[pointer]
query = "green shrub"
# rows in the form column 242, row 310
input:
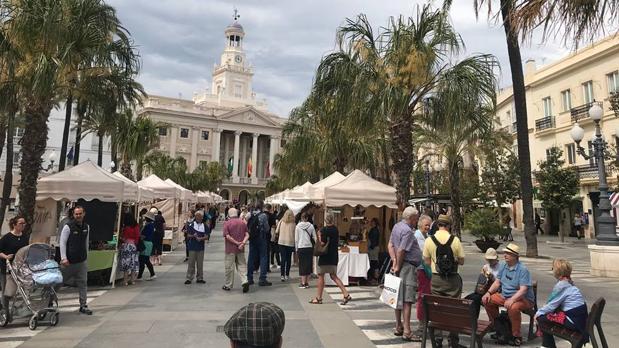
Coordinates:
column 483, row 223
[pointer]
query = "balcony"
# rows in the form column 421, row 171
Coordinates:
column 587, row 171
column 614, row 102
column 544, row 123
column 582, row 111
column 514, row 127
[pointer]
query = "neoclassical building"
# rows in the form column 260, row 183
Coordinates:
column 227, row 124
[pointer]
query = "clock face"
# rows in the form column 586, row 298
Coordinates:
column 238, row 59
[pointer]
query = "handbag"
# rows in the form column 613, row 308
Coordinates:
column 320, row 249
column 391, row 291
column 275, row 236
column 311, row 237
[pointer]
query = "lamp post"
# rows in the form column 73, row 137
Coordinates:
column 606, row 234
column 51, row 158
column 112, row 166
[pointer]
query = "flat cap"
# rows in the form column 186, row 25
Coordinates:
column 257, row 324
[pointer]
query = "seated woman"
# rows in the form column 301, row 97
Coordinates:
column 489, row 272
column 566, row 306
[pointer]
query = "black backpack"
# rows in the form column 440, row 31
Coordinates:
column 445, row 260
column 254, row 226
column 503, row 327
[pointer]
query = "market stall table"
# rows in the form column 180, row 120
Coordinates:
column 350, row 265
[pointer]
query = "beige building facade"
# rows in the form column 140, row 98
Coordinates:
column 227, row 124
column 559, row 95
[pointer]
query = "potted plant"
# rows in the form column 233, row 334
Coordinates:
column 484, row 224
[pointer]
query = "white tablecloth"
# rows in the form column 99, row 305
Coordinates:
column 350, row 265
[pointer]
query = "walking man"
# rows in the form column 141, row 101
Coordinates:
column 197, row 233
column 74, row 253
column 406, row 257
column 424, row 272
column 444, row 253
column 236, row 236
column 258, row 225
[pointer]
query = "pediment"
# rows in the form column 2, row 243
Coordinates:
column 249, row 115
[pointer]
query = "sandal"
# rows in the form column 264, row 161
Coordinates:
column 411, row 338
column 316, row 300
column 346, row 300
column 398, row 332
column 516, row 341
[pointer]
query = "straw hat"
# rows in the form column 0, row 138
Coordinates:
column 491, row 254
column 512, row 248
column 445, row 219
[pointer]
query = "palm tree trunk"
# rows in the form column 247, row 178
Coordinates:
column 401, row 150
column 114, row 152
column 100, row 151
column 81, row 111
column 520, row 103
column 8, row 172
column 62, row 161
column 34, row 142
column 456, row 204
column 385, row 166
column 139, row 168
column 3, row 130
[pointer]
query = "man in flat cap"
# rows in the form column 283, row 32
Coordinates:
column 256, row 325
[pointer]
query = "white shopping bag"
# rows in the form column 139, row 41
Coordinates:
column 391, row 290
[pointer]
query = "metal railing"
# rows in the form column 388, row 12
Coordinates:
column 545, row 123
column 614, row 102
column 588, row 171
column 582, row 111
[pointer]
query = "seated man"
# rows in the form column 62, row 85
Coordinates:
column 514, row 280
column 256, row 325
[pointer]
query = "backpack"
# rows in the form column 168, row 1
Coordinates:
column 445, row 260
column 254, row 226
column 503, row 327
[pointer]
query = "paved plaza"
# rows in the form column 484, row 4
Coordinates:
column 165, row 312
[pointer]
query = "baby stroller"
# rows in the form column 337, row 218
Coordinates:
column 34, row 273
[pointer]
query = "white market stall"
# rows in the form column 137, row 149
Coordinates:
column 144, row 194
column 167, row 197
column 88, row 182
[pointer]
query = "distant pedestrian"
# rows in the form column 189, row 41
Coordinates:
column 274, row 255
column 146, row 234
column 158, row 235
column 189, row 220
column 258, row 225
column 285, row 231
column 578, row 225
column 327, row 263
column 10, row 244
column 424, row 271
column 129, row 238
column 236, row 237
column 256, row 325
column 538, row 224
column 197, row 233
column 305, row 238
column 373, row 249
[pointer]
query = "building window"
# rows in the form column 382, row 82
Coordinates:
column 19, row 132
column 570, row 149
column 163, row 131
column 202, row 164
column 16, row 158
column 205, row 135
column 547, row 106
column 509, row 116
column 185, row 133
column 548, row 150
column 613, row 82
column 587, row 90
column 238, row 91
column 94, row 144
column 592, row 161
column 566, row 100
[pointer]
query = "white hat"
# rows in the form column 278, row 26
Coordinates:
column 491, row 254
column 154, row 210
column 512, row 248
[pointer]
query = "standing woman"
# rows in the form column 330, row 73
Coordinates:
column 285, row 230
column 158, row 237
column 129, row 237
column 305, row 237
column 373, row 249
column 147, row 236
column 10, row 243
column 327, row 263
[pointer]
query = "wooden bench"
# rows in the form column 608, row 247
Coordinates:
column 453, row 315
column 531, row 313
column 574, row 337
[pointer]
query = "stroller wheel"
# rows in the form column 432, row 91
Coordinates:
column 32, row 324
column 53, row 321
column 4, row 320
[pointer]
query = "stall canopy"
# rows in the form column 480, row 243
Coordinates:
column 204, row 197
column 162, row 189
column 360, row 189
column 317, row 191
column 144, row 193
column 84, row 181
column 300, row 193
column 185, row 194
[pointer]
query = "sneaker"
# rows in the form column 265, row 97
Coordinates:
column 245, row 287
column 187, row 282
column 250, row 282
column 265, row 283
column 287, row 278
column 283, row 278
column 279, row 267
column 306, row 286
column 201, row 281
column 85, row 310
column 153, row 277
column 225, row 288
column 186, row 259
column 301, row 286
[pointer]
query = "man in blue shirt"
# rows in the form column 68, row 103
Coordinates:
column 514, row 280
column 197, row 233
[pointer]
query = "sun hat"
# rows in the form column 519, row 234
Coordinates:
column 445, row 219
column 491, row 254
column 512, row 248
column 150, row 215
column 154, row 210
column 257, row 324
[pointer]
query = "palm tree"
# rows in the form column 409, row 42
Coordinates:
column 460, row 115
column 135, row 139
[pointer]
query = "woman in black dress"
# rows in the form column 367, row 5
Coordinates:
column 327, row 263
column 10, row 243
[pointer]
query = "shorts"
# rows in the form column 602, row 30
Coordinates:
column 408, row 284
column 327, row 269
column 450, row 286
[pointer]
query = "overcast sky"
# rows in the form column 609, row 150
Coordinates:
column 180, row 40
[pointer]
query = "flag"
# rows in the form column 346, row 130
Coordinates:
column 70, row 154
column 268, row 169
column 230, row 165
column 249, row 168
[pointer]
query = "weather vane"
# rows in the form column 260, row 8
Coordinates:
column 236, row 14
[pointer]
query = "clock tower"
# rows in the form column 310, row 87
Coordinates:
column 232, row 77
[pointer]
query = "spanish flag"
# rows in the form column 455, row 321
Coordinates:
column 249, row 168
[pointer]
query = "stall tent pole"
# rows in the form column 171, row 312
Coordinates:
column 115, row 263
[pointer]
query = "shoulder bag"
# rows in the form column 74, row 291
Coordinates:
column 320, row 249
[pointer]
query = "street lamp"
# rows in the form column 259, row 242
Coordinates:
column 606, row 234
column 51, row 158
column 112, row 166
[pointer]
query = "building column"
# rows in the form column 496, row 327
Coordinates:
column 173, row 138
column 254, row 159
column 193, row 160
column 235, row 159
column 216, row 145
column 272, row 151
